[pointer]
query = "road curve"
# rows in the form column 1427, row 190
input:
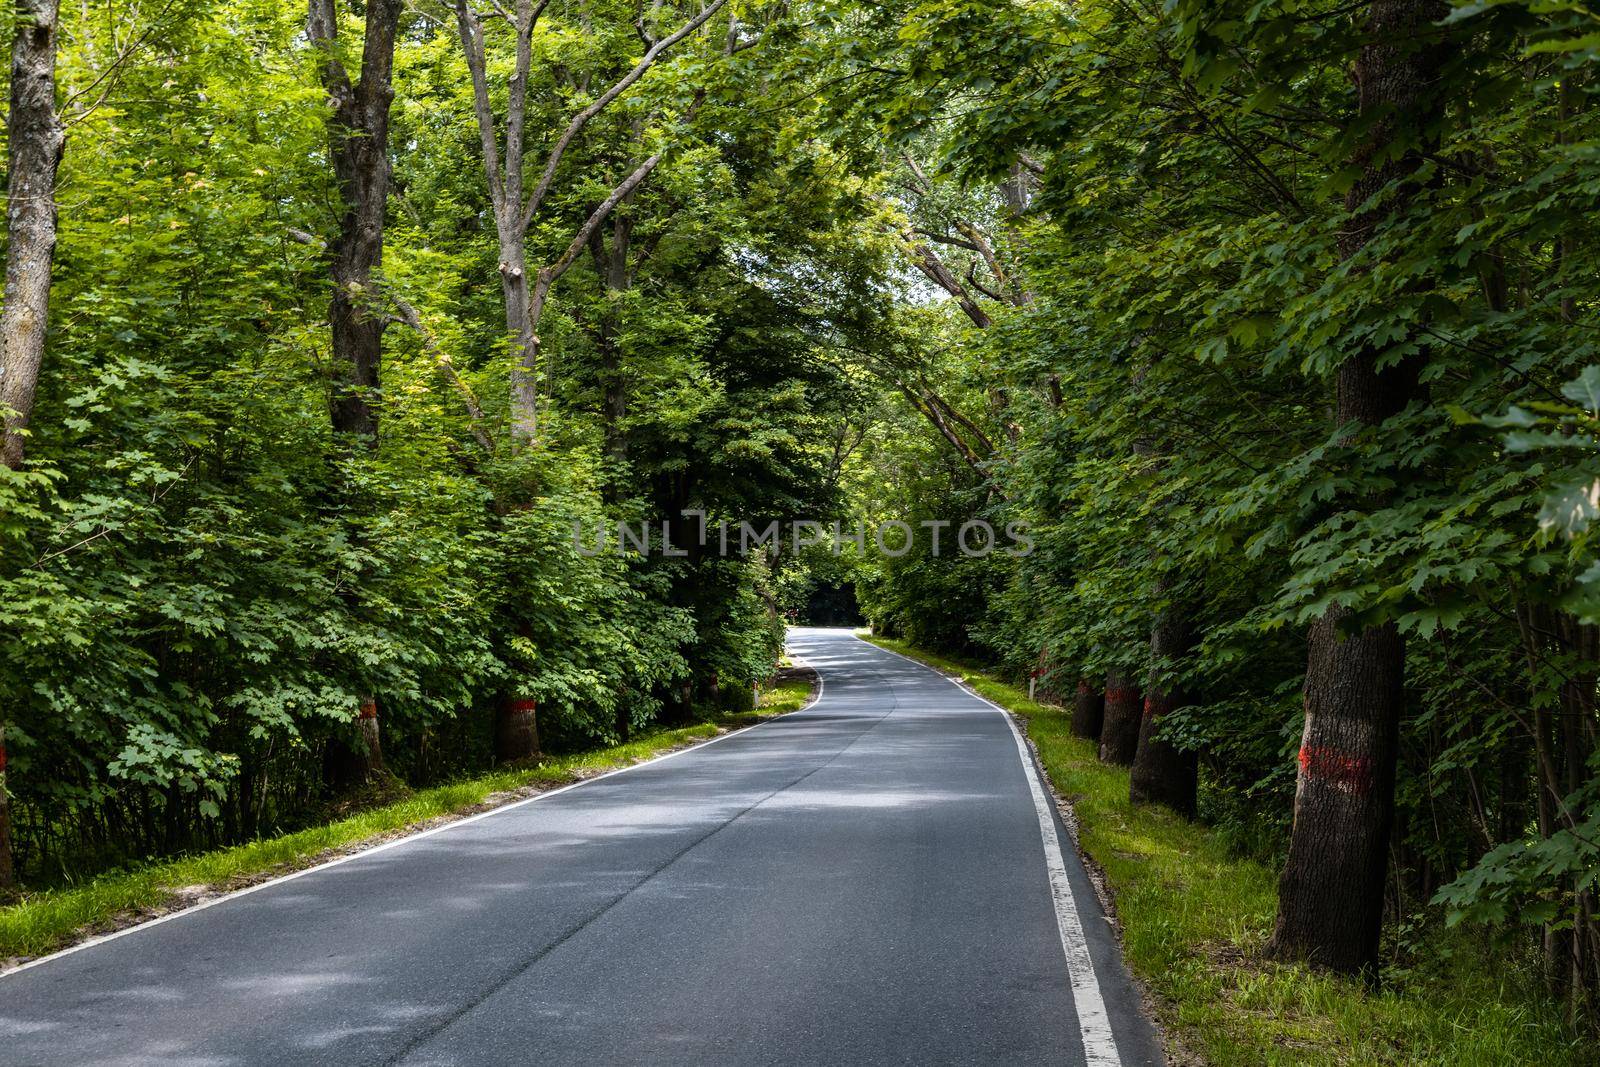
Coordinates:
column 875, row 880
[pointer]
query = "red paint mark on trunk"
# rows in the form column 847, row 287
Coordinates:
column 521, row 705
column 1044, row 664
column 1121, row 696
column 369, row 709
column 1350, row 773
column 2, row 759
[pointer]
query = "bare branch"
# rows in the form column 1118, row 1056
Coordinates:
column 944, row 405
column 641, row 25
column 527, row 18
column 407, row 315
column 322, row 28
column 946, row 239
column 471, row 31
column 972, row 280
column 933, row 414
column 923, row 185
column 981, row 245
column 549, row 275
column 928, row 262
column 581, row 119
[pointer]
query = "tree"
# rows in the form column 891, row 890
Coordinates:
column 515, row 208
column 1088, row 710
column 35, row 140
column 1119, row 732
column 358, row 144
column 1330, row 897
column 1163, row 772
column 358, row 141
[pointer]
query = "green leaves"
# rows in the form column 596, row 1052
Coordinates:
column 1565, row 438
column 1570, row 506
column 198, row 584
column 1204, row 301
column 1584, row 390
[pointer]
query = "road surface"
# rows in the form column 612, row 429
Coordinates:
column 875, row 880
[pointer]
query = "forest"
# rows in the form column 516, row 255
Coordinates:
column 326, row 324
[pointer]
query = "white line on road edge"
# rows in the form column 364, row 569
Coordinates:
column 1099, row 1047
column 406, row 840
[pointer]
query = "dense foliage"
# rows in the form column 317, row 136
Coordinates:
column 1159, row 278
column 201, row 580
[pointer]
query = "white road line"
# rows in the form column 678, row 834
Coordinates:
column 396, row 843
column 1094, row 1023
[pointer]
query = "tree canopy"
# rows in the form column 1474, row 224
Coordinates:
column 1266, row 323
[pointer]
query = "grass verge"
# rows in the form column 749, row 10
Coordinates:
column 55, row 918
column 1194, row 918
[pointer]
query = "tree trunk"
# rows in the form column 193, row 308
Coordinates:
column 516, row 733
column 514, row 213
column 1119, row 733
column 35, row 141
column 248, row 812
column 358, row 145
column 1088, row 710
column 624, row 717
column 1579, row 648
column 1541, row 638
column 679, row 705
column 371, row 737
column 1330, row 897
column 358, row 136
column 524, row 342
column 1162, row 772
column 614, row 400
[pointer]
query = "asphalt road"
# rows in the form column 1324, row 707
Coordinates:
column 876, row 880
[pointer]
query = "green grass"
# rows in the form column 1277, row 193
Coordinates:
column 785, row 697
column 51, row 919
column 1195, row 918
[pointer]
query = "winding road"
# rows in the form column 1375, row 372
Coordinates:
column 879, row 879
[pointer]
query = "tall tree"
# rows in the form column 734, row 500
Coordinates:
column 1330, row 906
column 514, row 206
column 358, row 143
column 35, row 140
column 1088, row 710
column 1119, row 726
column 1164, row 773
